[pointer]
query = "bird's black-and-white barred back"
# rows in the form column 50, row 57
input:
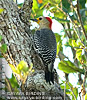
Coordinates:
column 45, row 45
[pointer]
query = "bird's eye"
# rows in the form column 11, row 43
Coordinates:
column 40, row 18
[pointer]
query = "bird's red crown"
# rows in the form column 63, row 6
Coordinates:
column 50, row 20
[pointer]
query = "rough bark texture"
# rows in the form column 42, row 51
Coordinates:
column 14, row 27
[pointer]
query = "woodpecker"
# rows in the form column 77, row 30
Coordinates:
column 45, row 45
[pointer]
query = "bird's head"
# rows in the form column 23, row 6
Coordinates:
column 44, row 22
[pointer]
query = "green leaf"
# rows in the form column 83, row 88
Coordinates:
column 58, row 37
column 39, row 12
column 66, row 4
column 75, row 90
column 58, row 40
column 79, row 54
column 22, row 66
column 58, row 47
column 82, row 3
column 68, row 67
column 1, row 10
column 67, row 86
column 0, row 37
column 79, row 43
column 65, row 10
column 80, row 57
column 83, row 59
column 85, row 26
column 13, row 68
column 3, row 48
column 70, row 42
column 52, row 2
column 42, row 6
column 59, row 15
column 74, row 44
column 86, row 96
column 14, row 83
column 35, row 5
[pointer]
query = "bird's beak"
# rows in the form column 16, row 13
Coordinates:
column 36, row 20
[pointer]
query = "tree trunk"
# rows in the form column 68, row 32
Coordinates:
column 15, row 30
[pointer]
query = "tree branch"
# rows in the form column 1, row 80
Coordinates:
column 74, row 24
column 80, row 19
column 72, row 91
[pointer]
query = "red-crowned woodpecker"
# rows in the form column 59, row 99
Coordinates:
column 45, row 44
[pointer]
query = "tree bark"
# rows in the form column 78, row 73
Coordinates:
column 15, row 30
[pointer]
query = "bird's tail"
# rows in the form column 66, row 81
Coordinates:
column 49, row 74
